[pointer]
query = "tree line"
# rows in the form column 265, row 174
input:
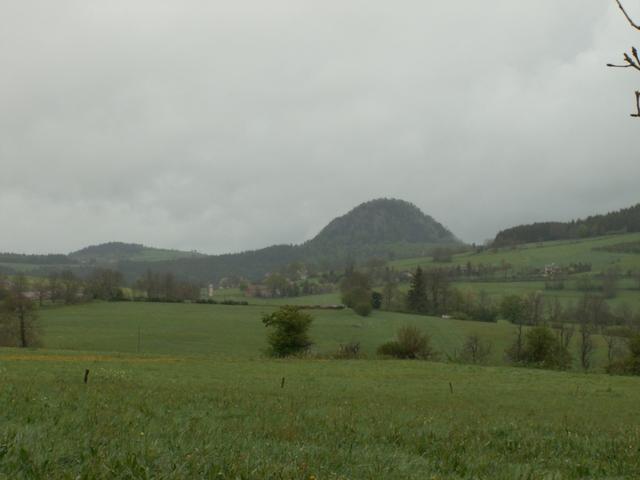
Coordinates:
column 625, row 220
column 21, row 297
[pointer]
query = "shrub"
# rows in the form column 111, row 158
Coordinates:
column 391, row 349
column 290, row 331
column 363, row 308
column 631, row 364
column 485, row 313
column 234, row 302
column 355, row 289
column 376, row 300
column 410, row 343
column 542, row 348
column 512, row 308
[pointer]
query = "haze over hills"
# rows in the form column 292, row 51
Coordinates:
column 386, row 228
column 105, row 255
column 390, row 229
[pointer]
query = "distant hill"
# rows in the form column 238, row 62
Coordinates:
column 626, row 220
column 382, row 221
column 114, row 252
column 385, row 228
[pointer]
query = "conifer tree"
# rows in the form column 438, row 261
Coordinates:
column 417, row 300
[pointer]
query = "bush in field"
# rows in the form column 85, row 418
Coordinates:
column 541, row 348
column 485, row 312
column 290, row 331
column 410, row 343
column 512, row 308
column 356, row 292
column 631, row 364
column 363, row 308
column 376, row 300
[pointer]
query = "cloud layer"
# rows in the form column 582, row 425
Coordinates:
column 224, row 126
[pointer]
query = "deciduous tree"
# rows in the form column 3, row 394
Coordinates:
column 289, row 335
column 18, row 319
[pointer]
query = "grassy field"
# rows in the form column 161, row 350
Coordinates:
column 497, row 290
column 237, row 331
column 195, row 329
column 236, row 294
column 181, row 391
column 177, row 417
column 538, row 255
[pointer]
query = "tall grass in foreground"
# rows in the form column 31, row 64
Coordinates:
column 172, row 418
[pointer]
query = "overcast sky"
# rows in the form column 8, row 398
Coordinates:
column 224, row 126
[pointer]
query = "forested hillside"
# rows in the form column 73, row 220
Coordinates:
column 626, row 220
column 113, row 252
column 382, row 221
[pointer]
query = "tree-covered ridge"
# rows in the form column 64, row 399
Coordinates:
column 49, row 259
column 382, row 221
column 626, row 220
column 118, row 251
column 212, row 268
column 109, row 248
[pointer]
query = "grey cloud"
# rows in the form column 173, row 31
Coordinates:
column 224, row 126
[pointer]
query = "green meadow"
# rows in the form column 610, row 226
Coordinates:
column 180, row 391
column 627, row 294
column 181, row 416
column 196, row 329
column 563, row 252
column 237, row 331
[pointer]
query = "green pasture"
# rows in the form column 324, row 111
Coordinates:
column 178, row 417
column 237, row 295
column 568, row 296
column 237, row 331
column 561, row 252
column 195, row 329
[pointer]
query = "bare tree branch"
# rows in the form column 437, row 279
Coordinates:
column 631, row 61
column 633, row 24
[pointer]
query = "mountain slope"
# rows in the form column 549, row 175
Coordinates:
column 381, row 221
